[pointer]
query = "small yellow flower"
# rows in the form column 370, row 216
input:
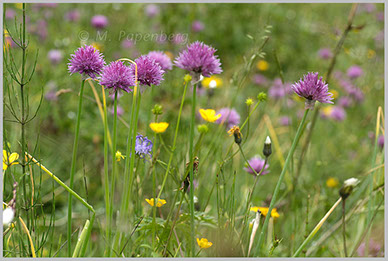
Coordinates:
column 9, row 159
column 169, row 54
column 332, row 182
column 160, row 203
column 204, row 243
column 262, row 65
column 335, row 93
column 19, row 5
column 119, row 156
column 235, row 130
column 264, row 211
column 98, row 46
column 159, row 127
column 327, row 110
column 209, row 115
column 249, row 102
column 371, row 54
column 212, row 82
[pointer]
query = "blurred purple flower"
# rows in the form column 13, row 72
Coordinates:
column 278, row 90
column 312, row 89
column 285, row 121
column 338, row 113
column 380, row 141
column 354, row 72
column 179, row 39
column 120, row 110
column 368, row 7
column 260, row 79
column 86, row 61
column 162, row 59
column 143, row 146
column 257, row 164
column 72, row 15
column 379, row 38
column 374, row 249
column 197, row 26
column 117, row 76
column 148, row 71
column 10, row 14
column 126, row 44
column 345, row 102
column 51, row 95
column 230, row 117
column 55, row 56
column 380, row 16
column 325, row 53
column 199, row 58
column 99, row 21
column 152, row 10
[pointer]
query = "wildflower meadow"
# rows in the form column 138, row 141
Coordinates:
column 193, row 130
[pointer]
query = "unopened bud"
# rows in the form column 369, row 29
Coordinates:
column 235, row 131
column 249, row 102
column 267, row 150
column 203, row 128
column 347, row 187
column 262, row 96
column 187, row 78
column 157, row 110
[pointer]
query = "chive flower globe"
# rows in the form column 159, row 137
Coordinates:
column 143, row 146
column 229, row 117
column 87, row 61
column 312, row 89
column 99, row 21
column 162, row 59
column 354, row 72
column 199, row 59
column 257, row 164
column 149, row 72
column 117, row 76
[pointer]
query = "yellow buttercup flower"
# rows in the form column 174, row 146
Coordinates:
column 212, row 82
column 9, row 159
column 262, row 65
column 98, row 46
column 327, row 110
column 209, row 115
column 335, row 93
column 119, row 156
column 332, row 182
column 160, row 203
column 204, row 243
column 264, row 211
column 159, row 127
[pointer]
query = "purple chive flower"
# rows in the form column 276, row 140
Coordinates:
column 10, row 14
column 117, row 76
column 278, row 90
column 380, row 141
column 162, row 59
column 197, row 26
column 126, row 44
column 55, row 56
column 99, row 21
column 72, row 15
column 354, row 72
column 152, row 10
column 260, row 79
column 380, row 16
column 143, row 146
column 257, row 164
column 149, row 72
column 345, row 102
column 374, row 249
column 199, row 58
column 325, row 53
column 230, row 117
column 338, row 113
column 179, row 39
column 120, row 110
column 312, row 89
column 86, row 61
column 285, row 121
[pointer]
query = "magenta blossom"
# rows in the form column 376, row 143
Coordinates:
column 162, row 59
column 99, row 21
column 230, row 117
column 325, row 53
column 312, row 89
column 117, row 76
column 86, row 61
column 197, row 26
column 354, row 72
column 149, row 72
column 257, row 164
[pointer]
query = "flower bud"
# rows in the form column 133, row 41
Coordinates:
column 262, row 96
column 187, row 78
column 157, row 110
column 347, row 187
column 267, row 150
column 235, row 131
column 203, row 128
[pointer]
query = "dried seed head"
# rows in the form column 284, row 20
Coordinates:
column 267, row 150
column 347, row 187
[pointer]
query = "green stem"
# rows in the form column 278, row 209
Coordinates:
column 281, row 177
column 174, row 142
column 343, row 227
column 154, row 194
column 191, row 153
column 72, row 171
column 106, row 178
column 81, row 239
